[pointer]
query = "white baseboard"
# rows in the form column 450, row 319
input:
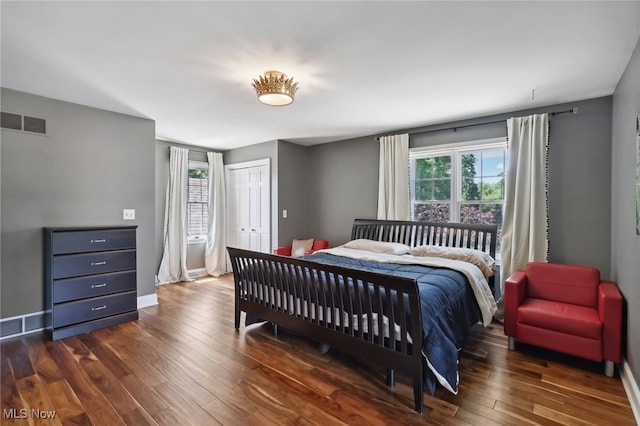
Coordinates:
column 197, row 273
column 631, row 388
column 147, row 300
column 193, row 274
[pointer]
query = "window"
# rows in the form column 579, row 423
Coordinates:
column 197, row 201
column 459, row 183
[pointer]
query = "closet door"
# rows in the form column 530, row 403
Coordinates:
column 249, row 217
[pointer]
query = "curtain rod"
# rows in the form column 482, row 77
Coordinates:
column 573, row 110
column 194, row 150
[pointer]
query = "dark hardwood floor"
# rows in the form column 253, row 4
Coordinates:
column 183, row 363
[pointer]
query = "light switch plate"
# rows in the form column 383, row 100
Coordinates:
column 129, row 214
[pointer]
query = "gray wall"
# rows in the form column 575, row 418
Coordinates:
column 345, row 175
column 344, row 184
column 293, row 193
column 625, row 244
column 92, row 164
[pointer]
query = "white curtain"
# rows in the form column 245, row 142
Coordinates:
column 393, row 178
column 525, row 222
column 215, row 257
column 173, row 266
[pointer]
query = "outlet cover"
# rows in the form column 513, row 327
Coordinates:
column 129, row 214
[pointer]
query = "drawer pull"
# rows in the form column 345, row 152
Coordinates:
column 98, row 241
column 98, row 285
column 99, row 308
column 104, row 262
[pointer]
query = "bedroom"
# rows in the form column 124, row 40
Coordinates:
column 90, row 143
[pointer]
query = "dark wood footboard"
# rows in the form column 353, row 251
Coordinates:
column 362, row 313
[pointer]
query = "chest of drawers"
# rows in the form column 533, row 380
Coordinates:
column 90, row 278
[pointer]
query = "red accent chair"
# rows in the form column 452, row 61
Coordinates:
column 317, row 245
column 565, row 308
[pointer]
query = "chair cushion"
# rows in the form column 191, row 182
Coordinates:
column 577, row 285
column 562, row 317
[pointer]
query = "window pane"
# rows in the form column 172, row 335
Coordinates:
column 435, row 212
column 198, row 190
column 442, row 189
column 197, row 215
column 442, row 166
column 468, row 164
column 424, row 168
column 493, row 162
column 470, row 189
column 493, row 188
column 433, row 167
column 197, row 201
column 424, row 190
column 490, row 214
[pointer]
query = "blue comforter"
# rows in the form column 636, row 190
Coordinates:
column 449, row 309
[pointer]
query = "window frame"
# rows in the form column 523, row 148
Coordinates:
column 455, row 151
column 200, row 238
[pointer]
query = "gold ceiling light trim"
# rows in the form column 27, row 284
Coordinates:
column 275, row 88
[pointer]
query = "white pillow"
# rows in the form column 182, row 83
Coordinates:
column 378, row 246
column 298, row 247
column 482, row 260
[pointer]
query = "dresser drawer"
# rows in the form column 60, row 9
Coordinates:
column 93, row 240
column 94, row 308
column 73, row 265
column 93, row 285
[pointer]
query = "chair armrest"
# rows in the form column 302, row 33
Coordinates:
column 282, row 251
column 515, row 290
column 610, row 312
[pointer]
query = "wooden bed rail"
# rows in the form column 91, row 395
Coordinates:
column 359, row 312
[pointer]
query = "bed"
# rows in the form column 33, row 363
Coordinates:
column 397, row 293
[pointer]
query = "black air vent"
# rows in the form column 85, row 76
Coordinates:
column 23, row 123
column 35, row 125
column 11, row 121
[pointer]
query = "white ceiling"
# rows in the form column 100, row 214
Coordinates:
column 363, row 67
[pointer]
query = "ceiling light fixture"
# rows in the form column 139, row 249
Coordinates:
column 274, row 88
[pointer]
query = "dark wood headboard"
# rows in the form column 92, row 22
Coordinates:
column 467, row 235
